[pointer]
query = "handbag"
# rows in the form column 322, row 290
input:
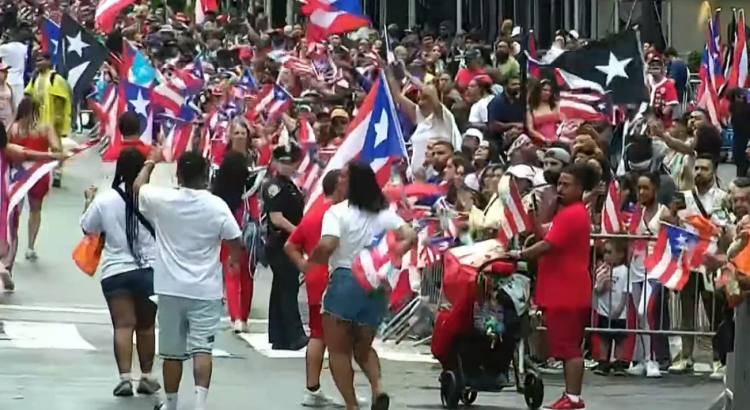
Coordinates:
column 88, row 253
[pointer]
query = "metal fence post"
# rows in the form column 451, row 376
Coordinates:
column 741, row 364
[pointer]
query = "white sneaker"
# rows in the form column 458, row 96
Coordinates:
column 237, row 327
column 719, row 371
column 652, row 369
column 315, row 399
column 339, row 402
column 637, row 370
column 31, row 255
column 246, row 326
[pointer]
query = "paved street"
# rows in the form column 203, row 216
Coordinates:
column 58, row 354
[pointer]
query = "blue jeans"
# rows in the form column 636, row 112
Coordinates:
column 347, row 300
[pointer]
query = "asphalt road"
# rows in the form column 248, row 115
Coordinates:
column 58, row 353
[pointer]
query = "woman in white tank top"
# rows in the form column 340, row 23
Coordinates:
column 7, row 107
column 648, row 296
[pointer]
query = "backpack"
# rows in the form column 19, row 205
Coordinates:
column 254, row 231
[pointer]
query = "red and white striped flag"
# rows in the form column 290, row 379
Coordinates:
column 516, row 219
column 377, row 267
column 21, row 177
column 583, row 106
column 611, row 219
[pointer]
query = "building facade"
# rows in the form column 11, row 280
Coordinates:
column 679, row 19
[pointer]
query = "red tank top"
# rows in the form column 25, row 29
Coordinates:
column 34, row 141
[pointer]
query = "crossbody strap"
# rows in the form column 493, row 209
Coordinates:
column 142, row 219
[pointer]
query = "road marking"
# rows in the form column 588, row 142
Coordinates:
column 55, row 309
column 386, row 351
column 92, row 310
column 31, row 335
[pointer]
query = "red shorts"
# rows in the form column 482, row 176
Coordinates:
column 566, row 329
column 316, row 322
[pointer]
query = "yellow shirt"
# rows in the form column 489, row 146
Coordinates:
column 54, row 101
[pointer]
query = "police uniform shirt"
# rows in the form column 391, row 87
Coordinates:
column 282, row 195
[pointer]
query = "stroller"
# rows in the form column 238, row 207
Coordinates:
column 482, row 330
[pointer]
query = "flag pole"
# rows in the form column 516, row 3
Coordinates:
column 523, row 24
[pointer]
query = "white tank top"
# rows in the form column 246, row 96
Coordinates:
column 650, row 227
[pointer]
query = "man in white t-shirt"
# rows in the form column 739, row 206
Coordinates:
column 190, row 224
column 13, row 54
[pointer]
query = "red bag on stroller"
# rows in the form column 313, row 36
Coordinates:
column 460, row 290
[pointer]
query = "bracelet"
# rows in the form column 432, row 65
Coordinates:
column 149, row 162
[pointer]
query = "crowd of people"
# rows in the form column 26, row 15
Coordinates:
column 473, row 128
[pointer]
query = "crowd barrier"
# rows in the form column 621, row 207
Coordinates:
column 692, row 313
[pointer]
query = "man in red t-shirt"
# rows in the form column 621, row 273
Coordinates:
column 663, row 92
column 129, row 126
column 474, row 67
column 302, row 241
column 563, row 289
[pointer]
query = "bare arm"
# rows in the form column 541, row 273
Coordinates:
column 235, row 252
column 278, row 220
column 54, row 142
column 324, row 249
column 535, row 251
column 295, row 253
column 410, row 109
column 530, row 125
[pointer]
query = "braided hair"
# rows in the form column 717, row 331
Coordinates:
column 129, row 164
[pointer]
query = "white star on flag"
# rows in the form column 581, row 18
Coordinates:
column 381, row 128
column 614, row 68
column 76, row 44
column 140, row 104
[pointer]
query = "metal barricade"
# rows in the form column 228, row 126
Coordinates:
column 662, row 320
column 420, row 311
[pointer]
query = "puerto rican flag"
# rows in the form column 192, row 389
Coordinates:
column 374, row 137
column 516, row 220
column 17, row 179
column 611, row 218
column 670, row 260
column 326, row 17
column 50, row 32
column 137, row 78
column 107, row 11
column 202, row 7
column 378, row 267
column 271, row 102
column 585, row 106
column 710, row 72
column 738, row 67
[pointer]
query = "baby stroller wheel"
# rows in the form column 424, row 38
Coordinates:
column 468, row 397
column 533, row 391
column 450, row 390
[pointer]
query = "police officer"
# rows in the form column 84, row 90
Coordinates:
column 283, row 205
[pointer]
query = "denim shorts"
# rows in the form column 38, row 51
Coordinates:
column 346, row 299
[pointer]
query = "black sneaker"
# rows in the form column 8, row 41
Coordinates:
column 619, row 368
column 382, row 402
column 123, row 389
column 602, row 369
column 148, row 387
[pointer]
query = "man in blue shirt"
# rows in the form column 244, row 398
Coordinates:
column 677, row 70
column 506, row 111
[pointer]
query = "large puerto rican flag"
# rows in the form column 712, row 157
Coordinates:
column 326, row 17
column 670, row 261
column 374, row 136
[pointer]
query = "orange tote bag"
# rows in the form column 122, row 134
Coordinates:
column 88, row 253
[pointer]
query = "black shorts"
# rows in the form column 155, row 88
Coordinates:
column 605, row 323
column 137, row 284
